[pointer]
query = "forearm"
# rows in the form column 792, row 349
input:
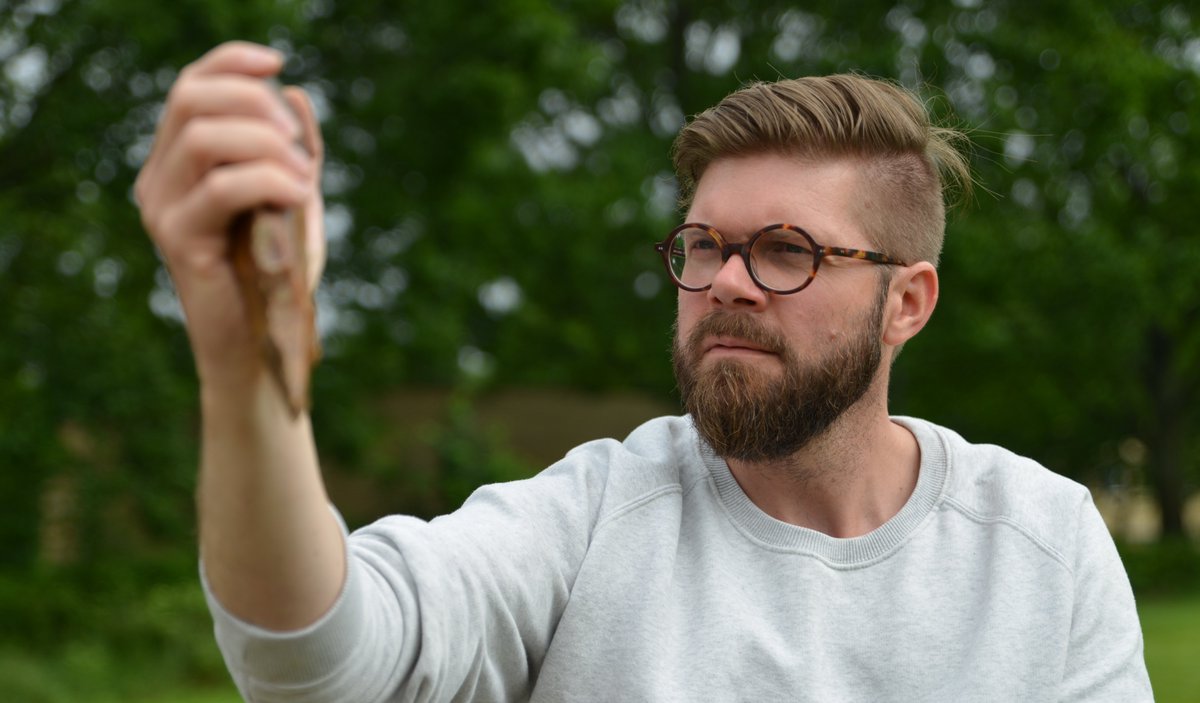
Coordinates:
column 273, row 552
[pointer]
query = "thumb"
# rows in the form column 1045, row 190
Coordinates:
column 314, row 210
column 298, row 100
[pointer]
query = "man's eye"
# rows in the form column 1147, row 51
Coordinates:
column 784, row 248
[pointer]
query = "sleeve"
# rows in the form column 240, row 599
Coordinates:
column 1105, row 660
column 459, row 608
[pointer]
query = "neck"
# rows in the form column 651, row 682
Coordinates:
column 845, row 483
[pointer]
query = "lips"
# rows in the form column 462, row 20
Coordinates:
column 727, row 333
column 733, row 344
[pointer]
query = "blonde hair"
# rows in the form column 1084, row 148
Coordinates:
column 910, row 166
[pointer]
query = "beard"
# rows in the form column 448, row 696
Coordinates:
column 748, row 414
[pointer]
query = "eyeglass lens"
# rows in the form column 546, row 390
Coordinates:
column 780, row 259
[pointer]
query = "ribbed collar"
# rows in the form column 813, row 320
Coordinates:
column 837, row 552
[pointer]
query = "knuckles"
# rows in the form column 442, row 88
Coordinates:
column 148, row 206
column 198, row 142
column 218, row 186
column 188, row 171
column 181, row 97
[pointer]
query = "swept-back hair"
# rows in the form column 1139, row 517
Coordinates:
column 909, row 165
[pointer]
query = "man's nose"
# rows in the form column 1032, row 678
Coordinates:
column 732, row 285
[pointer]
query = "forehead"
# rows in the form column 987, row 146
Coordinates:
column 739, row 195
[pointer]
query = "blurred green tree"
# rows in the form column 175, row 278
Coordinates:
column 497, row 173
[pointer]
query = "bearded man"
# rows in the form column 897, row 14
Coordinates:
column 787, row 539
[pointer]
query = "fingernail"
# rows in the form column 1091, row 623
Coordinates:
column 263, row 57
column 269, row 243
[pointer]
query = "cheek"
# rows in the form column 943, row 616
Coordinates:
column 688, row 312
column 815, row 324
column 839, row 308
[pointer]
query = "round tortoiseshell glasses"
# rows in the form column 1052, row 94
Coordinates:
column 781, row 258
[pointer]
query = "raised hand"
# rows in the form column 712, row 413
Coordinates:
column 227, row 145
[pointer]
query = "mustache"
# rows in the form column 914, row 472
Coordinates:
column 722, row 323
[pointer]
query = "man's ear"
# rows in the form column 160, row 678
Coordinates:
column 912, row 297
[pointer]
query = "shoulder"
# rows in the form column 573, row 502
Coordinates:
column 660, row 456
column 663, row 445
column 991, row 485
column 603, row 476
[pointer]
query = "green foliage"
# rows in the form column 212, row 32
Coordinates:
column 98, row 393
column 1170, row 626
column 470, row 455
column 497, row 173
column 44, row 605
column 1166, row 568
column 112, row 648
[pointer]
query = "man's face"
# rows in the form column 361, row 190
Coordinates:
column 763, row 374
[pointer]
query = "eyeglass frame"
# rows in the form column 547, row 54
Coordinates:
column 728, row 249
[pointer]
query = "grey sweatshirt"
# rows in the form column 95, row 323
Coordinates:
column 640, row 571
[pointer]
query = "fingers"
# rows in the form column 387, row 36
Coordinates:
column 228, row 143
column 207, row 164
column 226, row 79
column 303, row 109
column 221, row 111
column 238, row 57
column 206, row 143
column 193, row 230
column 238, row 188
column 313, row 211
column 224, row 95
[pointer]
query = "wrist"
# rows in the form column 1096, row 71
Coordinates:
column 250, row 398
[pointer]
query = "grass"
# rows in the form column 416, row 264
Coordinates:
column 1172, row 630
column 222, row 695
column 226, row 695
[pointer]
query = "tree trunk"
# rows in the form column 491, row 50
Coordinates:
column 677, row 21
column 1166, row 435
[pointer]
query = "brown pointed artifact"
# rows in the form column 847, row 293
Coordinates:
column 269, row 250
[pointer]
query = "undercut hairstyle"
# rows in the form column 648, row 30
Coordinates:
column 910, row 167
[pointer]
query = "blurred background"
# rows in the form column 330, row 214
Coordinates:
column 497, row 174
